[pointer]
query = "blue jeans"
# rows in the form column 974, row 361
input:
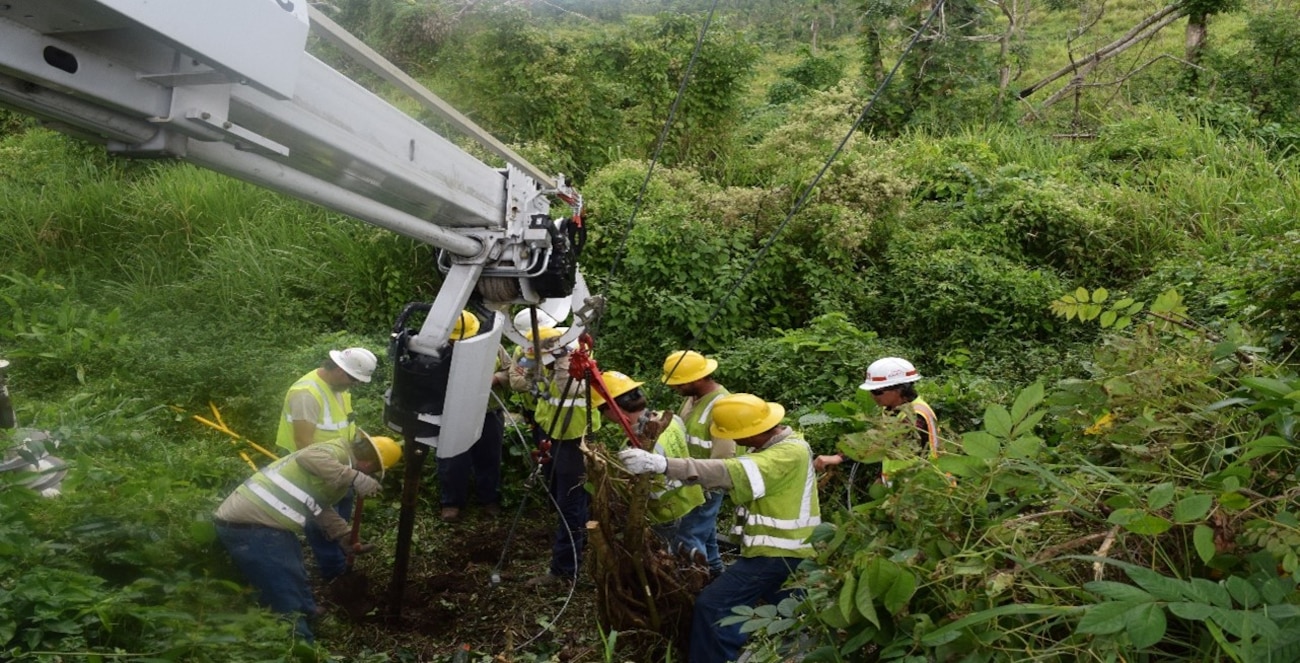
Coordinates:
column 331, row 559
column 483, row 460
column 746, row 582
column 566, row 476
column 271, row 561
column 699, row 529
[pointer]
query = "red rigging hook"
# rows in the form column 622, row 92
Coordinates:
column 583, row 367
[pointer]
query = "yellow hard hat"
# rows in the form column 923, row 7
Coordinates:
column 387, row 450
column 617, row 384
column 466, row 326
column 687, row 366
column 547, row 336
column 738, row 416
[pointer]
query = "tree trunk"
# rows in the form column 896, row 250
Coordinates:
column 1196, row 34
column 1149, row 26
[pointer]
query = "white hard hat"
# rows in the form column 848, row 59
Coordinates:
column 524, row 321
column 358, row 362
column 888, row 372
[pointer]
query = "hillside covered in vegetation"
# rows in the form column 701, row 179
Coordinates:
column 1080, row 219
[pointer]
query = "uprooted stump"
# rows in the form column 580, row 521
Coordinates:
column 643, row 590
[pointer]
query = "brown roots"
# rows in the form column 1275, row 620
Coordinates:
column 643, row 590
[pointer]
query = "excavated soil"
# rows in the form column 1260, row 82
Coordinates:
column 450, row 602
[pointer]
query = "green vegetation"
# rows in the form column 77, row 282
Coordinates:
column 1101, row 291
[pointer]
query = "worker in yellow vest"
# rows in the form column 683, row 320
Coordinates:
column 891, row 381
column 318, row 408
column 670, row 499
column 775, row 485
column 259, row 522
column 561, row 418
column 691, row 375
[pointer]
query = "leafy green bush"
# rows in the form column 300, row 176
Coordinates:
column 801, row 368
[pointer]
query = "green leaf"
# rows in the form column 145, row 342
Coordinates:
column 1148, row 525
column 1193, row 508
column 1108, row 318
column 1027, row 424
column 1081, row 294
column 1105, row 618
column 1028, row 398
column 1194, row 611
column 1163, row 587
column 880, row 575
column 848, row 592
column 950, row 631
column 1203, row 539
column 1145, row 625
column 1124, row 516
column 1233, row 501
column 864, row 601
column 1118, row 591
column 997, row 421
column 1205, row 591
column 1269, row 386
column 979, row 444
column 1099, row 295
column 900, row 593
column 1264, row 446
column 1160, row 496
column 961, row 466
column 1025, row 447
column 1244, row 592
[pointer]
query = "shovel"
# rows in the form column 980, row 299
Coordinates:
column 355, row 537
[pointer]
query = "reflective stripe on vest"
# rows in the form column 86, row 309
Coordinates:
column 671, row 499
column 782, row 508
column 568, row 416
column 335, row 412
column 290, row 493
column 698, row 437
column 908, row 414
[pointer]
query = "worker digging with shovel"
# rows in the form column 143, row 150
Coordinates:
column 259, row 523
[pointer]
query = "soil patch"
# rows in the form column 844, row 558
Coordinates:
column 451, row 601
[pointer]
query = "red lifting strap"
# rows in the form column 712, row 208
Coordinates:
column 583, row 367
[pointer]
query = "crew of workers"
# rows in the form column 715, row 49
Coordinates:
column 693, row 455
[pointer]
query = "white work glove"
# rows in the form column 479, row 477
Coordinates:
column 365, row 485
column 639, row 461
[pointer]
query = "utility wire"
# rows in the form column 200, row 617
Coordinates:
column 807, row 193
column 659, row 144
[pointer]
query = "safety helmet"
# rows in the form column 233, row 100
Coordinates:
column 524, row 321
column 738, row 416
column 888, row 372
column 686, row 366
column 387, row 450
column 617, row 384
column 465, row 327
column 548, row 336
column 358, row 362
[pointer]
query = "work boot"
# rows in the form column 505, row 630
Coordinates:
column 548, row 580
column 450, row 514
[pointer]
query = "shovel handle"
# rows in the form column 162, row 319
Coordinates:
column 355, row 537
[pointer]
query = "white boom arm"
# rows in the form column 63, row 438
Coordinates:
column 228, row 85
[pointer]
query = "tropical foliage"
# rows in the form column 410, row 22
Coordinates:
column 1097, row 276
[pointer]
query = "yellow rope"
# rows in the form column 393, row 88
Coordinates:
column 220, row 426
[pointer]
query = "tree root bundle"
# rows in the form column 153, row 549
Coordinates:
column 643, row 590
